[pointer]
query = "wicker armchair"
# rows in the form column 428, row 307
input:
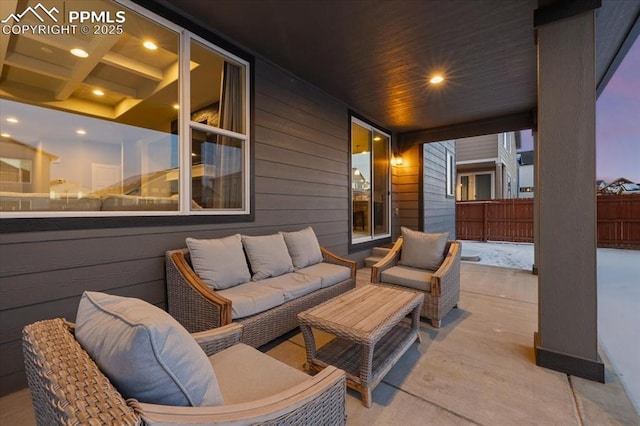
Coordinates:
column 441, row 288
column 68, row 388
column 197, row 307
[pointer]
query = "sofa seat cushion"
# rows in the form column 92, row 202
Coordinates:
column 245, row 374
column 329, row 273
column 252, row 298
column 406, row 276
column 145, row 352
column 293, row 284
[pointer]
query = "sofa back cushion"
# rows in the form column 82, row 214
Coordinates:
column 303, row 247
column 221, row 262
column 145, row 353
column 268, row 256
column 422, row 250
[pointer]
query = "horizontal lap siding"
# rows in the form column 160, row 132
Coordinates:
column 439, row 210
column 301, row 178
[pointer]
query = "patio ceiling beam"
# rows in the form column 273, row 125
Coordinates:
column 518, row 121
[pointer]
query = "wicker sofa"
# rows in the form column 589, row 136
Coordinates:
column 68, row 387
column 440, row 283
column 198, row 306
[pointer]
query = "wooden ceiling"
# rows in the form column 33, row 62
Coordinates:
column 377, row 56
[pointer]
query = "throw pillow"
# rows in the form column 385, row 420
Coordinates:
column 303, row 247
column 145, row 353
column 422, row 250
column 220, row 262
column 268, row 256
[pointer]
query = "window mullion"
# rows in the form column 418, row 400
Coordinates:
column 184, row 135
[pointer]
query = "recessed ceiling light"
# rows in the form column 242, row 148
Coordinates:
column 12, row 119
column 81, row 132
column 377, row 138
column 176, row 106
column 5, row 135
column 98, row 92
column 436, row 79
column 79, row 53
column 150, row 45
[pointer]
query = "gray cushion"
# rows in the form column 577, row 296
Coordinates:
column 268, row 256
column 422, row 250
column 220, row 263
column 406, row 276
column 303, row 247
column 329, row 273
column 293, row 285
column 252, row 298
column 246, row 374
column 146, row 353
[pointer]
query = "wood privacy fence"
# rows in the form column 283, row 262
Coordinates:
column 512, row 220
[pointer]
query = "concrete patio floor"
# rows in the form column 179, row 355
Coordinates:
column 478, row 368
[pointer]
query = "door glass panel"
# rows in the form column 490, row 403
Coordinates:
column 361, row 180
column 483, row 187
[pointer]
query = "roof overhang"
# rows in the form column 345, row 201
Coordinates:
column 378, row 56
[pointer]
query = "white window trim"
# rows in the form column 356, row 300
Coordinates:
column 450, row 171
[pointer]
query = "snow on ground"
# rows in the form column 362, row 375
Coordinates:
column 508, row 255
column 618, row 301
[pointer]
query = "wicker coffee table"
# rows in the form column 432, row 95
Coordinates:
column 371, row 335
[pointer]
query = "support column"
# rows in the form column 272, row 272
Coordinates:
column 567, row 338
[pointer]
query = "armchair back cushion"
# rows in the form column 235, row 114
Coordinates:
column 421, row 250
column 145, row 353
column 268, row 256
column 220, row 263
column 303, row 247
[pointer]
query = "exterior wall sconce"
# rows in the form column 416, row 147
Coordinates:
column 397, row 160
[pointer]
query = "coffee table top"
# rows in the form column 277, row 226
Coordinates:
column 364, row 314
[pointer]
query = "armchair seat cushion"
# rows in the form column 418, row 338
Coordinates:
column 246, row 374
column 251, row 298
column 329, row 273
column 419, row 279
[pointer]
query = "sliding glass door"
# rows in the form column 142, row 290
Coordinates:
column 370, row 183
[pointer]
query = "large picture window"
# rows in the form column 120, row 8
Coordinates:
column 370, row 187
column 147, row 119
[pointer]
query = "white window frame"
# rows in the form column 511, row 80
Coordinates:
column 450, row 168
column 184, row 126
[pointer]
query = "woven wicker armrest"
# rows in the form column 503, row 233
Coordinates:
column 317, row 401
column 331, row 257
column 217, row 339
column 67, row 387
column 449, row 271
column 194, row 304
column 391, row 259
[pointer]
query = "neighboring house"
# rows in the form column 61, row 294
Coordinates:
column 600, row 184
column 486, row 167
column 24, row 168
column 620, row 186
column 525, row 174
